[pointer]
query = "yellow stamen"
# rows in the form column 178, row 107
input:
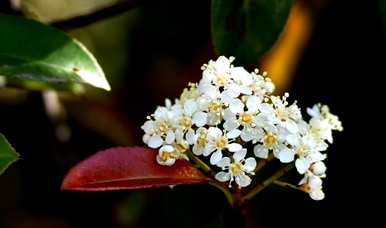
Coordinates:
column 221, row 80
column 246, row 118
column 236, row 168
column 220, row 142
column 270, row 139
column 186, row 122
column 215, row 106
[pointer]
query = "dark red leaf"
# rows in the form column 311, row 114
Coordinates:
column 129, row 168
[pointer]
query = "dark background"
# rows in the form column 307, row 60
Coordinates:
column 342, row 66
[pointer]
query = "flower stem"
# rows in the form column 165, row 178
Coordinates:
column 288, row 185
column 258, row 188
column 224, row 189
column 200, row 164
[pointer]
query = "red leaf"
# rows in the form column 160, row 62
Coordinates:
column 129, row 168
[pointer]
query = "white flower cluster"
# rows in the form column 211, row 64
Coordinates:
column 231, row 110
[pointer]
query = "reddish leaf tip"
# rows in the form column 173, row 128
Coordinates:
column 128, row 168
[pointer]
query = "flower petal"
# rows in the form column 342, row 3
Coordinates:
column 208, row 150
column 253, row 103
column 214, row 132
column 155, row 141
column 230, row 124
column 233, row 134
column 199, row 118
column 261, row 151
column 190, row 106
column 224, row 162
column 170, row 137
column 222, row 176
column 314, row 182
column 168, row 162
column 286, row 155
column 197, row 150
column 233, row 147
column 243, row 180
column 236, row 106
column 190, row 137
column 216, row 157
column 319, row 168
column 302, row 165
column 249, row 165
column 317, row 194
column 240, row 155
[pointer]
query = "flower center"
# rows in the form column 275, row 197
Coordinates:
column 220, row 142
column 246, row 118
column 163, row 127
column 270, row 139
column 302, row 150
column 182, row 146
column 201, row 140
column 221, row 79
column 236, row 168
column 186, row 122
column 215, row 106
column 282, row 114
column 168, row 155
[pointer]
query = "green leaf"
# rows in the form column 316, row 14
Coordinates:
column 7, row 154
column 246, row 29
column 37, row 56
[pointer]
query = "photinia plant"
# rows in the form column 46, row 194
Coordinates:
column 223, row 131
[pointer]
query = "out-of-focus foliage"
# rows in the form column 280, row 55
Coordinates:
column 111, row 50
column 282, row 59
column 36, row 56
column 248, row 28
column 7, row 154
column 55, row 10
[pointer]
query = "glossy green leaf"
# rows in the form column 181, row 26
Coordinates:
column 246, row 29
column 36, row 56
column 7, row 154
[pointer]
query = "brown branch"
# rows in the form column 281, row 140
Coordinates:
column 258, row 188
column 100, row 14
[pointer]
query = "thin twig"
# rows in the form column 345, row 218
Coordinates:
column 200, row 164
column 258, row 188
column 103, row 13
column 225, row 190
column 203, row 166
column 288, row 185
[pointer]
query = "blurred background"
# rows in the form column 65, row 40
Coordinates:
column 330, row 51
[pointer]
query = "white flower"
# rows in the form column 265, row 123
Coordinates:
column 200, row 141
column 284, row 115
column 323, row 122
column 307, row 149
column 313, row 185
column 231, row 108
column 217, row 142
column 245, row 118
column 274, row 140
column 237, row 169
column 167, row 155
column 318, row 168
column 159, row 125
column 217, row 72
column 317, row 194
